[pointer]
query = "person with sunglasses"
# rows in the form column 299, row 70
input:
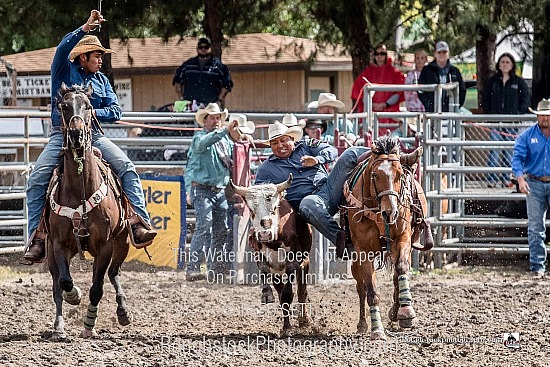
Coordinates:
column 441, row 71
column 203, row 79
column 380, row 71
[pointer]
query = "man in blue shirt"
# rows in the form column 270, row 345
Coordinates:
column 531, row 167
column 77, row 61
column 316, row 194
column 203, row 79
column 209, row 162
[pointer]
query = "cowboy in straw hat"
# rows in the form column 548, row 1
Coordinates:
column 326, row 100
column 314, row 193
column 210, row 109
column 88, row 53
column 277, row 130
column 543, row 107
column 88, row 44
column 290, row 120
column 533, row 178
column 207, row 173
column 243, row 124
column 327, row 103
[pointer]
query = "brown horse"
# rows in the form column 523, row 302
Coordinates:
column 84, row 214
column 385, row 220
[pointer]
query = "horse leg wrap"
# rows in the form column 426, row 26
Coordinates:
column 405, row 296
column 73, row 296
column 91, row 317
column 375, row 319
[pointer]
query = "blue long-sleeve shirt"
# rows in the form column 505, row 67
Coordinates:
column 204, row 163
column 531, row 153
column 305, row 179
column 63, row 70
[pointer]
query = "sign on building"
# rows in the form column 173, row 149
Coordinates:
column 27, row 87
column 123, row 89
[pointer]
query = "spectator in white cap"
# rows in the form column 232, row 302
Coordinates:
column 290, row 120
column 327, row 103
column 440, row 71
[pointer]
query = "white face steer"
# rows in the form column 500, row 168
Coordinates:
column 263, row 202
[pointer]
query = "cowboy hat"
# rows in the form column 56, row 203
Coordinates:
column 277, row 129
column 88, row 44
column 543, row 108
column 326, row 99
column 243, row 125
column 290, row 120
column 210, row 109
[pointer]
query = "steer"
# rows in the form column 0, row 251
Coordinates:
column 283, row 240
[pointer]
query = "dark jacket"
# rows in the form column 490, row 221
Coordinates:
column 430, row 75
column 511, row 98
column 203, row 84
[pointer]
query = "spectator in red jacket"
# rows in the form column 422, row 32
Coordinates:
column 380, row 71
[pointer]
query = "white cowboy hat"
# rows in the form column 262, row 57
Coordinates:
column 243, row 125
column 277, row 129
column 543, row 108
column 87, row 44
column 326, row 99
column 211, row 109
column 290, row 120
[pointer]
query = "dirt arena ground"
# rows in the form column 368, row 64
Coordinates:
column 462, row 315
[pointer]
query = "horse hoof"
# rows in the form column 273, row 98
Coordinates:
column 73, row 297
column 88, row 333
column 405, row 313
column 124, row 317
column 58, row 336
column 378, row 335
column 406, row 323
column 267, row 298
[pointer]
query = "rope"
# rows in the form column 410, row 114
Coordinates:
column 475, row 124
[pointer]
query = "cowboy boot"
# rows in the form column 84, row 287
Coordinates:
column 141, row 233
column 36, row 248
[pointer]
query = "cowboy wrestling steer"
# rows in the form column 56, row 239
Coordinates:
column 283, row 239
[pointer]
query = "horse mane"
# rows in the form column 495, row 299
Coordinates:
column 386, row 144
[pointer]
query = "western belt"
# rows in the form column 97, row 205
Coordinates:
column 545, row 179
column 206, row 187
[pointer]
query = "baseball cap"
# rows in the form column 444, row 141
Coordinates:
column 204, row 41
column 441, row 46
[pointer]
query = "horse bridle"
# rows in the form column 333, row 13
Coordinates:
column 85, row 137
column 379, row 195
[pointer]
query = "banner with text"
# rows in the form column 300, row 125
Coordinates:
column 165, row 201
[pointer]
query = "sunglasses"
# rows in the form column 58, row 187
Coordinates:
column 203, row 47
column 380, row 53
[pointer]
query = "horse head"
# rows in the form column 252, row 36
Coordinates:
column 76, row 115
column 385, row 173
column 263, row 202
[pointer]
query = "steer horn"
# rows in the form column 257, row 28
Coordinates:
column 284, row 185
column 411, row 158
column 241, row 190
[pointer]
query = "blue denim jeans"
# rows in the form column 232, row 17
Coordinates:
column 50, row 158
column 493, row 161
column 538, row 202
column 210, row 229
column 319, row 208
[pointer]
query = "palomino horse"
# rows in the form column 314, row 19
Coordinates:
column 385, row 220
column 84, row 214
